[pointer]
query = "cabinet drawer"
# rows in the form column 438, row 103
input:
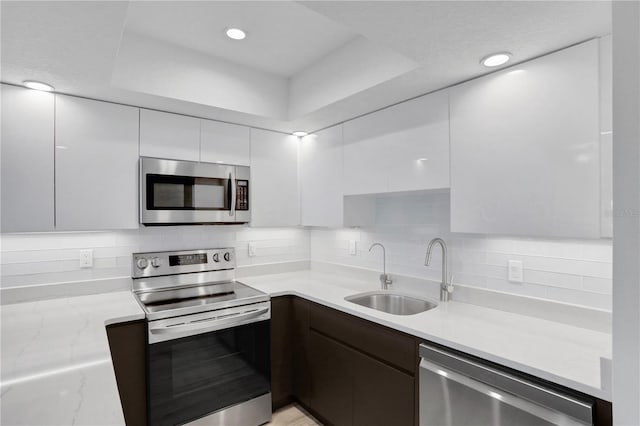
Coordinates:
column 375, row 340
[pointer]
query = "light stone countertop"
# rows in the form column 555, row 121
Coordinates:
column 56, row 364
column 560, row 353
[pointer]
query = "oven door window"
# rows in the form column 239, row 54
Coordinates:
column 187, row 193
column 195, row 376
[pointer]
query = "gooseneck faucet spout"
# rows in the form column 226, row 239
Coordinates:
column 445, row 287
column 385, row 280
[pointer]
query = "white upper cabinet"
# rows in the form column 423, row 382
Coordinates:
column 225, row 143
column 274, row 192
column 165, row 135
column 27, row 160
column 321, row 178
column 96, row 165
column 401, row 148
column 525, row 151
column 606, row 137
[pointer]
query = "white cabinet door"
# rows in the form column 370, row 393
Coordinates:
column 166, row 135
column 225, row 143
column 96, row 165
column 525, row 148
column 27, row 160
column 606, row 137
column 321, row 178
column 401, row 148
column 274, row 192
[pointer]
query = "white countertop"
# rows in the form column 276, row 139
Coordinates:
column 56, row 364
column 556, row 352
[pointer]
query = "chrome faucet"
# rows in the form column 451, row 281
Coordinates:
column 445, row 288
column 385, row 279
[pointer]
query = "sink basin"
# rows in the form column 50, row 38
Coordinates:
column 391, row 303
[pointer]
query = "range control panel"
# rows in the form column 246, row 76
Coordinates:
column 179, row 262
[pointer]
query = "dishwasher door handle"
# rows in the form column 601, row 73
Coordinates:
column 552, row 416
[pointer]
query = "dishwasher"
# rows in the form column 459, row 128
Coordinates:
column 459, row 391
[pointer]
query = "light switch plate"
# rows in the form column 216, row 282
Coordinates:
column 86, row 258
column 353, row 247
column 516, row 272
column 252, row 249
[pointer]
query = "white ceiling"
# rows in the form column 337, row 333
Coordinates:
column 327, row 45
column 455, row 35
column 283, row 37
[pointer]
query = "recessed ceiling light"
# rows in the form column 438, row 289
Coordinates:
column 36, row 85
column 236, row 34
column 300, row 133
column 496, row 59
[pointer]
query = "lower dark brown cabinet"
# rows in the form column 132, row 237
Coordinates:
column 382, row 395
column 348, row 371
column 300, row 347
column 281, row 351
column 345, row 370
column 128, row 346
column 341, row 368
column 331, row 374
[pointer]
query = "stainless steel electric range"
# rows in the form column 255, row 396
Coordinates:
column 208, row 352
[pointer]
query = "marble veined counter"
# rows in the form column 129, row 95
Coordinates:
column 56, row 365
column 560, row 353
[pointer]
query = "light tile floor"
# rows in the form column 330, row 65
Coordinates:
column 293, row 415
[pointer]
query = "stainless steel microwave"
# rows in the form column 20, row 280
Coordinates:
column 186, row 192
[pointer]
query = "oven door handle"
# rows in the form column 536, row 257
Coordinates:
column 210, row 324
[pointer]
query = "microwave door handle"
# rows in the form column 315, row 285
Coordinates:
column 232, row 191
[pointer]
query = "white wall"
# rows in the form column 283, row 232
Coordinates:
column 571, row 271
column 626, row 217
column 47, row 258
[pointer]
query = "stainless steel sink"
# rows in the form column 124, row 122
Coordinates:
column 392, row 303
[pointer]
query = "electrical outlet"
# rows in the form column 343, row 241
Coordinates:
column 353, row 247
column 252, row 249
column 516, row 273
column 86, row 258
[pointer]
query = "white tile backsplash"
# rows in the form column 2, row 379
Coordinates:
column 570, row 271
column 48, row 258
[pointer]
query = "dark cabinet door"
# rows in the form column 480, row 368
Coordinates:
column 382, row 395
column 345, row 370
column 330, row 368
column 128, row 345
column 300, row 345
column 281, row 351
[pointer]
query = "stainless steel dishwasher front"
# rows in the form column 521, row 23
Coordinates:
column 456, row 391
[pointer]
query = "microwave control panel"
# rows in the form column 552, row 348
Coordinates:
column 242, row 194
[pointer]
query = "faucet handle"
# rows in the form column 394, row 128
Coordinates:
column 449, row 286
column 385, row 281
